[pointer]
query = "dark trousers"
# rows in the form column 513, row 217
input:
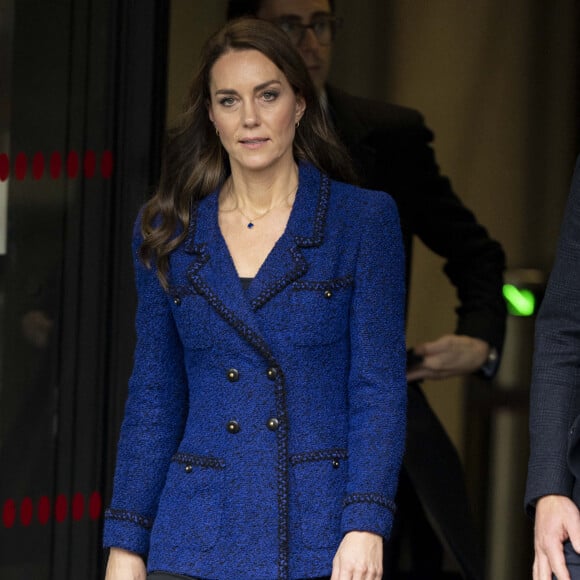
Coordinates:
column 413, row 543
column 432, row 505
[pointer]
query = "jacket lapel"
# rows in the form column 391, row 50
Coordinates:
column 286, row 262
column 212, row 273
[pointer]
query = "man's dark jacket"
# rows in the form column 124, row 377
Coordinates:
column 554, row 463
column 390, row 146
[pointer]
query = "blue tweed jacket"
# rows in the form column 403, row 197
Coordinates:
column 262, row 425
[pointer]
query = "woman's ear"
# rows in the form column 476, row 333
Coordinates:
column 300, row 107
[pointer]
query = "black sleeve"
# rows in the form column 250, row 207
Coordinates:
column 406, row 168
column 555, row 389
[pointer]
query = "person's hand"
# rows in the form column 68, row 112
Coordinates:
column 124, row 565
column 359, row 557
column 451, row 355
column 557, row 520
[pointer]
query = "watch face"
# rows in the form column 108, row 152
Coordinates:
column 489, row 367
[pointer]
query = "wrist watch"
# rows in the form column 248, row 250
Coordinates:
column 489, row 367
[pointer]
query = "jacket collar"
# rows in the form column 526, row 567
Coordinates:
column 212, row 272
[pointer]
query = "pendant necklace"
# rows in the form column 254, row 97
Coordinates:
column 251, row 221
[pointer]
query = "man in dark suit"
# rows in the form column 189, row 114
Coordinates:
column 391, row 147
column 553, row 486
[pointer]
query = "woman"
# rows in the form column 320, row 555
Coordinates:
column 264, row 426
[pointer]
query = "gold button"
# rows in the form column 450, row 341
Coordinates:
column 273, row 424
column 328, row 293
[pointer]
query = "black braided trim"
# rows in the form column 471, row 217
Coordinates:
column 321, row 214
column 282, row 476
column 127, row 516
column 230, row 317
column 333, row 284
column 300, row 268
column 199, row 460
column 377, row 498
column 322, row 455
column 178, row 292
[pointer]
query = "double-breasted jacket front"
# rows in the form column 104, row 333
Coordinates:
column 261, row 425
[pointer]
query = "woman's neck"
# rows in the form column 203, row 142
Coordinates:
column 259, row 192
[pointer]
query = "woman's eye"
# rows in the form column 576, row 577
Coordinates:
column 269, row 95
column 227, row 101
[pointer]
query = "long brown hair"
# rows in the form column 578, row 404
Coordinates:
column 195, row 163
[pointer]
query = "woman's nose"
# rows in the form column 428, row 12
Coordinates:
column 250, row 115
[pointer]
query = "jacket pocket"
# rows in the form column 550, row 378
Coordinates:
column 320, row 310
column 192, row 315
column 320, row 479
column 191, row 506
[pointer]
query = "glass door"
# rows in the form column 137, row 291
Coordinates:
column 81, row 83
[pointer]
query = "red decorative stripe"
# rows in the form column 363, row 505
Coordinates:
column 26, row 511
column 43, row 510
column 71, row 160
column 72, row 164
column 107, row 164
column 61, row 508
column 78, row 507
column 4, row 167
column 55, row 165
column 95, row 505
column 9, row 513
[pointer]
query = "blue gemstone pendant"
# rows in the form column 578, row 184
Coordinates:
column 250, row 225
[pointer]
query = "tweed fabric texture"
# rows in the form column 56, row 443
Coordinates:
column 262, row 425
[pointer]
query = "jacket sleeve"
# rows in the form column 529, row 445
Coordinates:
column 429, row 208
column 555, row 389
column 154, row 417
column 377, row 386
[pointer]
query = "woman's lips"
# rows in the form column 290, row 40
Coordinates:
column 253, row 143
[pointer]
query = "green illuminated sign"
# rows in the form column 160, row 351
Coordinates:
column 520, row 301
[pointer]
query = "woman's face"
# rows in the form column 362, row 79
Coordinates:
column 254, row 109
